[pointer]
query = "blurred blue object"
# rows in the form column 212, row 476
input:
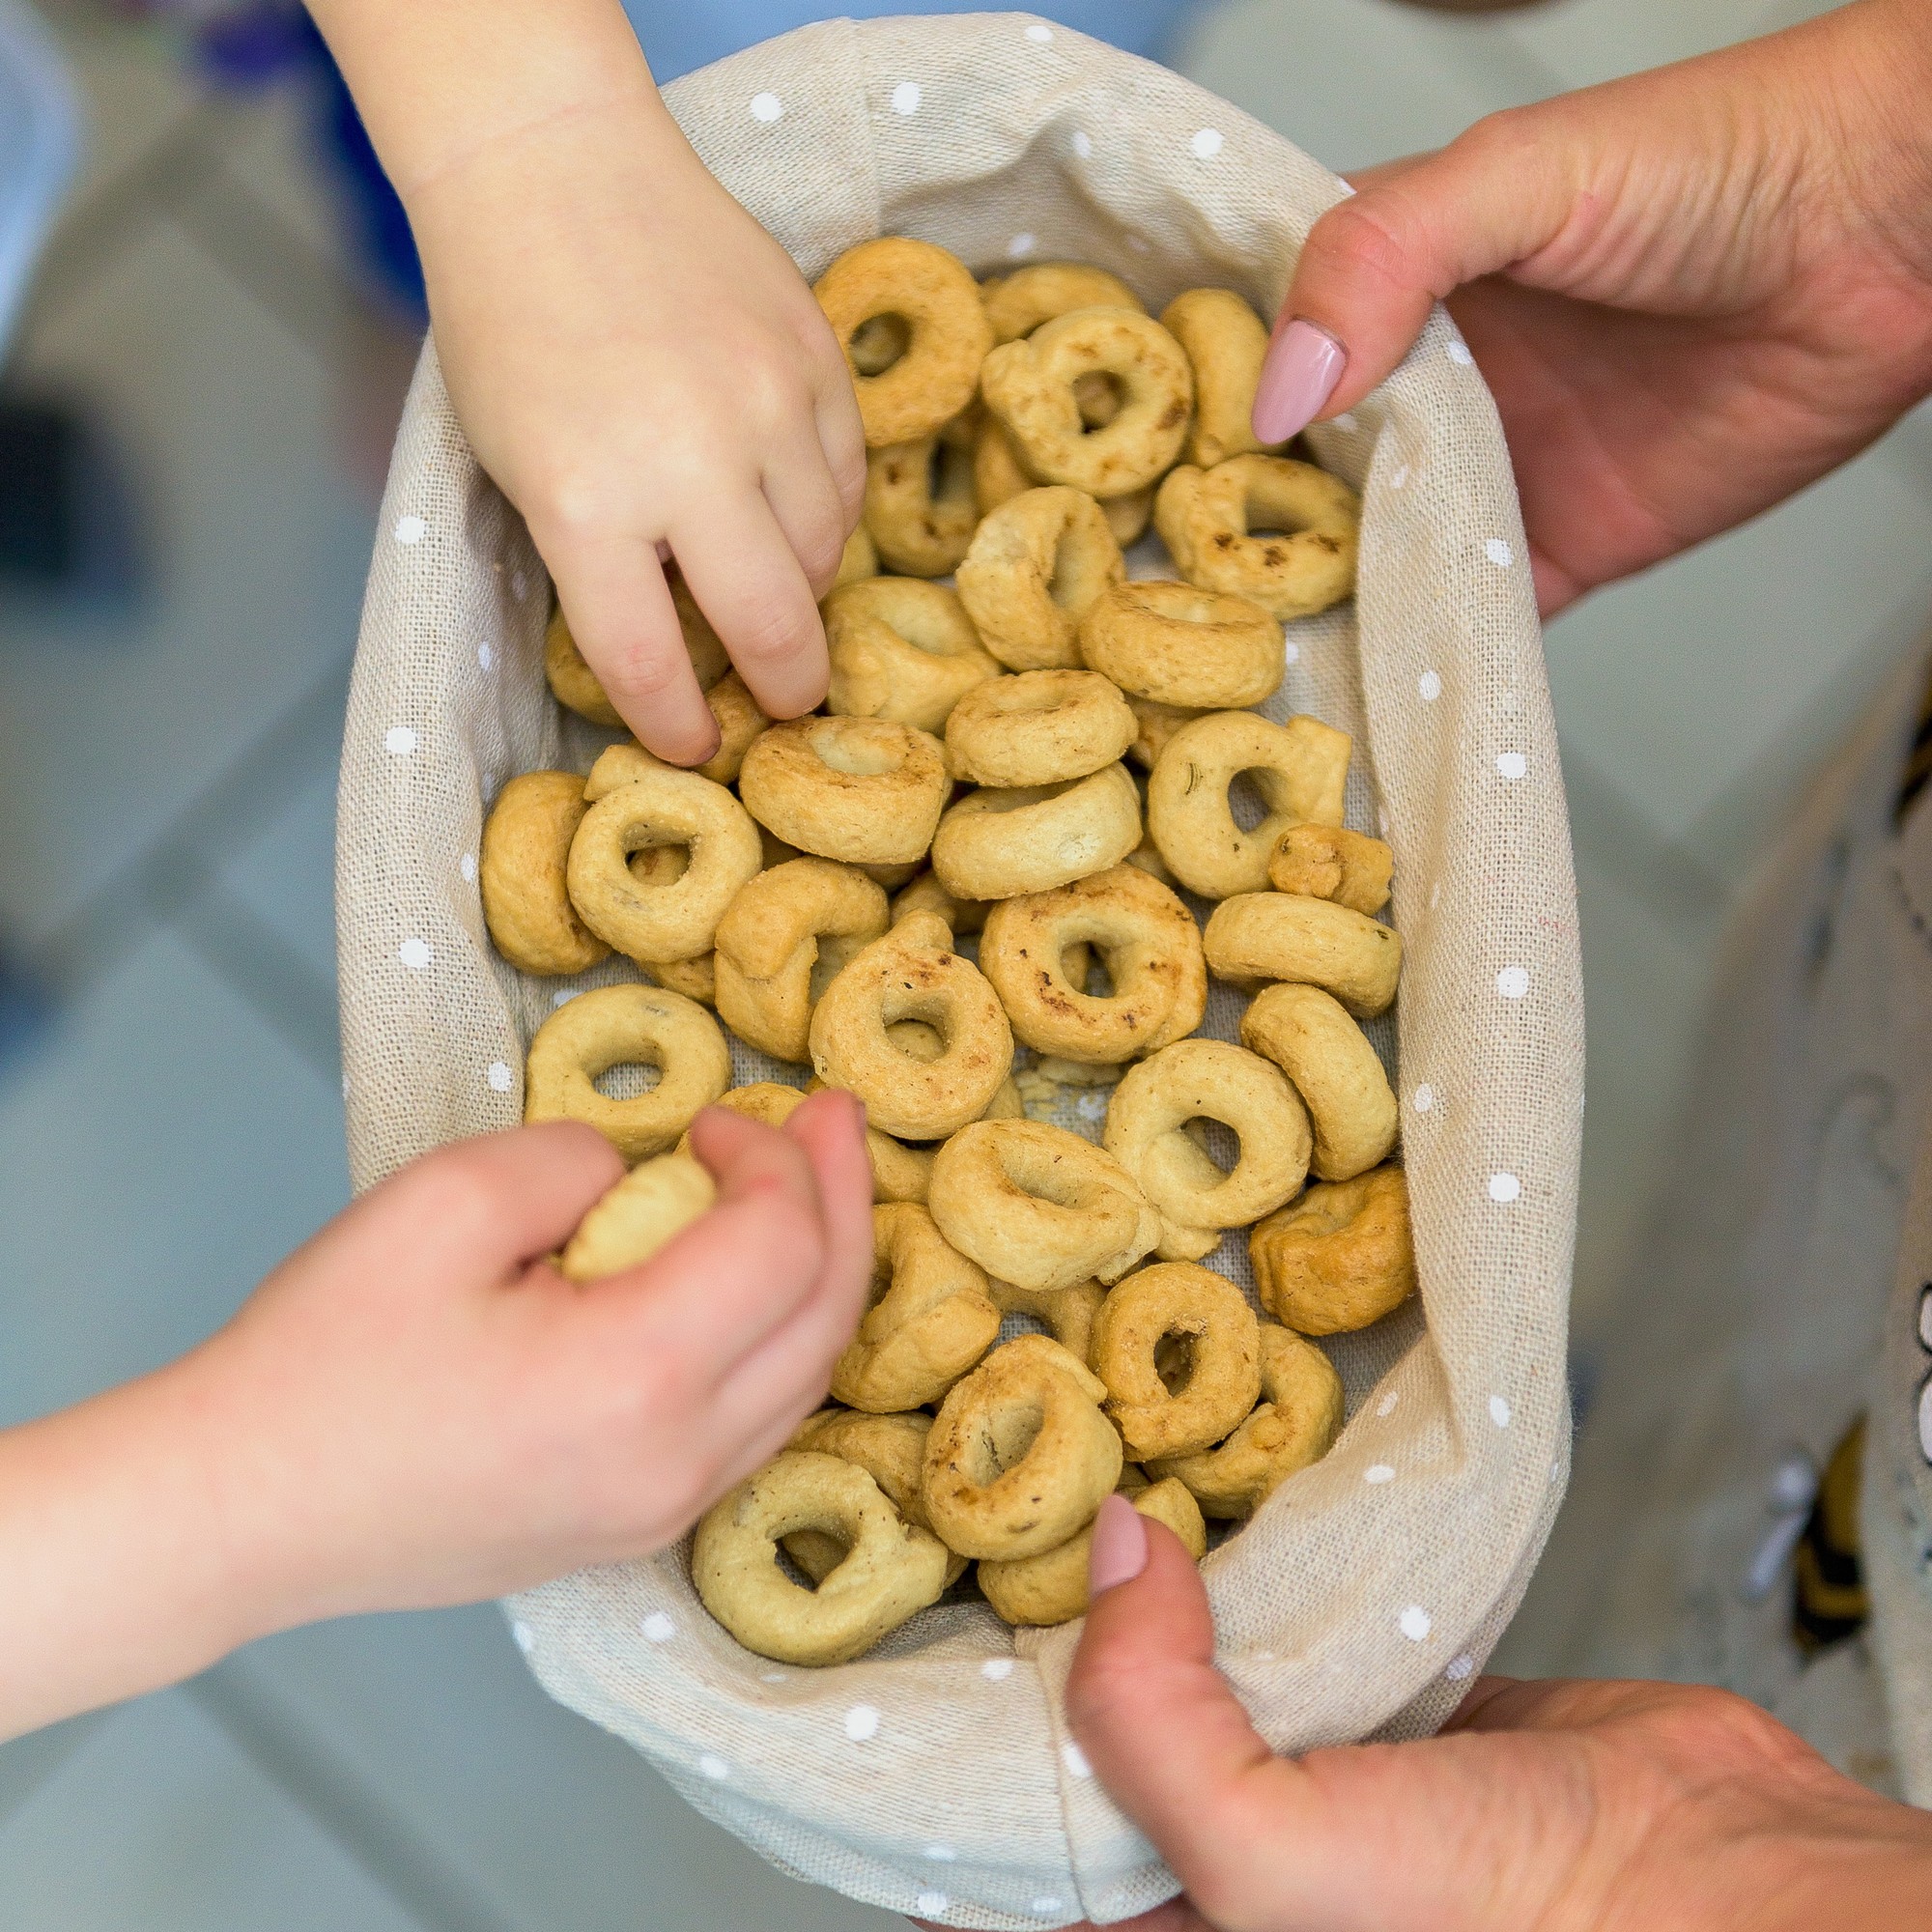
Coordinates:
column 40, row 143
column 679, row 35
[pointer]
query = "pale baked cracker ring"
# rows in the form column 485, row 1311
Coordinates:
column 912, row 972
column 1030, row 387
column 922, row 506
column 1051, row 1588
column 999, row 476
column 667, row 806
column 929, row 1320
column 891, row 1449
column 521, row 869
column 1039, row 1206
column 1329, row 862
column 1037, row 728
column 575, row 685
column 948, row 333
column 739, row 721
column 1068, row 1312
column 899, row 1171
column 1036, row 565
column 1258, row 936
column 1340, row 1257
column 1197, row 1327
column 1147, row 855
column 627, row 1026
column 638, row 1216
column 695, row 979
column 1157, row 724
column 1178, row 644
column 892, row 1569
column 783, row 939
column 1147, row 941
column 1020, row 1457
column 765, row 1101
column 1147, row 1132
column 1309, row 522
column 860, row 790
column 1128, row 516
column 1001, row 841
column 1300, row 769
column 1226, row 343
column 1295, row 1425
column 858, row 560
column 1019, row 303
column 903, row 650
column 1327, row 1057
column 927, row 894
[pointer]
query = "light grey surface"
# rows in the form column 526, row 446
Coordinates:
column 165, row 806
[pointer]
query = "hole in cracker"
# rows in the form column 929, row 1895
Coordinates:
column 878, row 343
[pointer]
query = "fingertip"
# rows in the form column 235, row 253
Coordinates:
column 1304, row 367
column 1119, row 1552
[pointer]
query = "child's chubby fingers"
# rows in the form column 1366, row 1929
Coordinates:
column 804, row 497
column 831, row 1127
column 619, row 610
column 747, row 580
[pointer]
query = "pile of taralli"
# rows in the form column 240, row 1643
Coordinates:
column 818, row 885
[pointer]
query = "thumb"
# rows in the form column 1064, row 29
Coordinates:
column 1413, row 233
column 1159, row 1723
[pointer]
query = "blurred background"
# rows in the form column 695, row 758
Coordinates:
column 202, row 378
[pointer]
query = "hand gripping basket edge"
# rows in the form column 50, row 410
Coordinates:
column 936, row 1776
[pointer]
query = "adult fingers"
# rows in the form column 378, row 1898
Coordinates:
column 619, row 610
column 1373, row 265
column 1163, row 1731
column 500, row 1201
column 742, row 570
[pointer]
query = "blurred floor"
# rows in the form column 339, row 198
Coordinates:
column 166, row 786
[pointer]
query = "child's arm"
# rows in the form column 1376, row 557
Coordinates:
column 635, row 361
column 415, row 1408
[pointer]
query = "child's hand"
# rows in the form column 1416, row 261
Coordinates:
column 637, row 363
column 416, row 1408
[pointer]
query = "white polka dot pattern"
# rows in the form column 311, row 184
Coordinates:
column 657, row 1627
column 1513, row 982
column 414, row 953
column 500, row 1075
column 997, row 1668
column 1430, row 686
column 1207, row 144
column 930, row 1903
column 1415, row 1623
column 1512, row 765
column 410, row 532
column 466, row 866
column 1458, row 1668
column 1499, row 1411
column 906, row 98
column 1498, row 552
column 1425, row 1097
column 862, row 1723
column 767, row 108
column 713, row 1766
column 1075, row 1760
column 1504, row 1188
column 399, row 741
column 1377, row 1473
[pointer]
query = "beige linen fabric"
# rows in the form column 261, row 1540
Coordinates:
column 937, row 1776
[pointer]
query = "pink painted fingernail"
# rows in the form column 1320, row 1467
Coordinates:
column 1120, row 1548
column 1304, row 364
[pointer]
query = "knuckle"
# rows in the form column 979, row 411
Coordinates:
column 770, row 630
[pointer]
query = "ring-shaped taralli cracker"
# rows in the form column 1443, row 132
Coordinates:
column 652, row 923
column 1157, row 723
column 1181, row 645
column 860, row 790
column 1030, row 387
column 903, row 650
column 1328, row 861
column 627, row 1026
column 860, row 560
column 1257, row 936
column 913, row 974
column 525, row 850
column 927, row 894
column 1039, row 1206
column 1051, row 1588
column 739, row 720
column 695, row 979
column 1068, row 1312
column 576, row 686
column 1037, row 566
column 929, row 1321
column 1295, row 1424
column 1340, row 1257
column 638, row 1216
column 1226, row 343
column 921, row 504
column 1038, row 728
column 1298, row 768
column 782, row 940
column 999, row 843
column 891, row 1449
column 1147, row 1131
column 1020, row 1457
column 763, row 1101
column 892, row 1569
column 948, row 333
column 1309, row 1034
column 1303, row 561
column 1016, row 304
column 1197, row 1327
column 1146, row 938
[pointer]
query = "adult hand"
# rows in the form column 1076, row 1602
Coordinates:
column 1543, row 1807
column 637, row 363
column 1692, row 292
column 416, row 1408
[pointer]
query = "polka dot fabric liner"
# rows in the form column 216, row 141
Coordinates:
column 936, row 1776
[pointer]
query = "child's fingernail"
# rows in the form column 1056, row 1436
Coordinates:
column 1304, row 364
column 1120, row 1548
